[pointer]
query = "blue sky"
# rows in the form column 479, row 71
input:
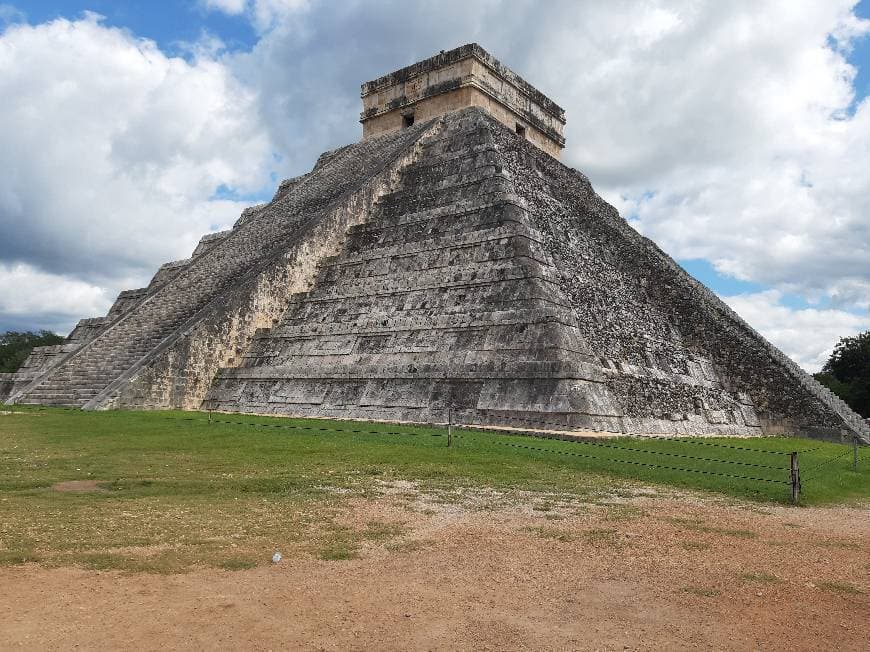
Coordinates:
column 164, row 21
column 860, row 57
column 738, row 152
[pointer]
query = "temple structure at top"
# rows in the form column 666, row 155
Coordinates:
column 464, row 77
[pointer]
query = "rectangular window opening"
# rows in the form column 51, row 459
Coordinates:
column 521, row 130
column 407, row 120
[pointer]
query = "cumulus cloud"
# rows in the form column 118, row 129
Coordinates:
column 35, row 299
column 112, row 153
column 806, row 335
column 264, row 14
column 231, row 7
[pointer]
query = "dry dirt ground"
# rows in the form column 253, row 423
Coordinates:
column 645, row 571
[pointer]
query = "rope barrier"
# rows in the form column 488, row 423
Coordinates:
column 737, row 448
column 807, row 471
column 566, row 427
column 532, row 448
column 309, row 428
column 622, row 448
column 596, row 444
column 652, row 466
column 825, row 463
column 674, row 438
column 381, row 432
column 678, row 455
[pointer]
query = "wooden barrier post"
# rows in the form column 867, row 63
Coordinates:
column 450, row 427
column 854, row 453
column 795, row 478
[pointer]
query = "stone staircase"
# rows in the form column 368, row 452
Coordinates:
column 260, row 239
column 445, row 295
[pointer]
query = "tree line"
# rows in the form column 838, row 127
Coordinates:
column 15, row 347
column 847, row 372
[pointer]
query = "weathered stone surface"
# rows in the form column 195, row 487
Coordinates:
column 450, row 264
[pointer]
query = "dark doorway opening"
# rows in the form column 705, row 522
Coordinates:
column 407, row 120
column 521, row 130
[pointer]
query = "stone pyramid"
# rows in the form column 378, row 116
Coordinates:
column 449, row 265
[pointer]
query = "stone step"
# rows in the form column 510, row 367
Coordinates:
column 425, row 179
column 437, row 242
column 375, row 323
column 447, row 164
column 487, row 206
column 418, row 369
column 473, row 274
column 407, row 201
column 487, row 295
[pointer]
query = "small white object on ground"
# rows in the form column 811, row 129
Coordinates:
column 276, row 557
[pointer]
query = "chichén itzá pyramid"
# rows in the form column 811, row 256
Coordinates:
column 448, row 260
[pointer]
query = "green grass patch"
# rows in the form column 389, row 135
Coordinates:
column 15, row 557
column 602, row 536
column 411, row 545
column 840, row 587
column 236, row 488
column 845, row 545
column 695, row 545
column 380, row 531
column 164, row 563
column 338, row 551
column 238, row 563
column 623, row 512
column 340, row 542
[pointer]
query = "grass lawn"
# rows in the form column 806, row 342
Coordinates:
column 175, row 491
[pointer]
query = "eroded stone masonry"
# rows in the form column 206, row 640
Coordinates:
column 448, row 264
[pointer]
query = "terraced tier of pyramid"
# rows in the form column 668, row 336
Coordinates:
column 449, row 265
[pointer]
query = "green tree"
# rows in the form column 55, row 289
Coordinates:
column 15, row 347
column 847, row 372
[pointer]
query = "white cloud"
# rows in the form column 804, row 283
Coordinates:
column 268, row 13
column 264, row 14
column 46, row 300
column 806, row 335
column 729, row 136
column 231, row 7
column 111, row 151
